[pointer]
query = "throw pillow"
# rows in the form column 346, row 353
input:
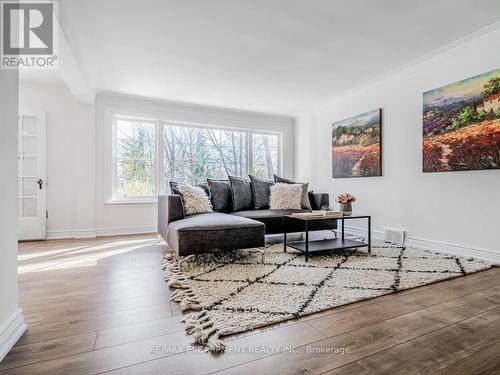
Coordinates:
column 241, row 190
column 220, row 195
column 305, row 202
column 261, row 192
column 285, row 196
column 174, row 187
column 195, row 199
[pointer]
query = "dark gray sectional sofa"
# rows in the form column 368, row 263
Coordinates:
column 215, row 231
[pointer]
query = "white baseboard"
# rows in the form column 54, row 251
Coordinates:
column 99, row 232
column 121, row 231
column 70, row 233
column 11, row 331
column 376, row 234
column 444, row 247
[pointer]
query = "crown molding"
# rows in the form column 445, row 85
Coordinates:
column 404, row 67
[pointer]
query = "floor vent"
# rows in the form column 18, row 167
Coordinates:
column 395, row 236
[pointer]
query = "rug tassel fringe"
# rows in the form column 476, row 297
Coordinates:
column 198, row 325
column 189, row 304
column 180, row 294
column 215, row 344
column 173, row 267
column 192, row 326
column 201, row 335
column 174, row 282
column 193, row 317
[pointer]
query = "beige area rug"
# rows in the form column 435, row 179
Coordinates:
column 241, row 290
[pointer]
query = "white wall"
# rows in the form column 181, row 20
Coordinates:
column 457, row 211
column 303, row 141
column 78, row 151
column 11, row 322
column 70, row 158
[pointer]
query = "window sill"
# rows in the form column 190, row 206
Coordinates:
column 148, row 202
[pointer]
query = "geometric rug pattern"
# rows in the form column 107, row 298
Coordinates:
column 241, row 290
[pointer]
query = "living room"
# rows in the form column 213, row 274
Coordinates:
column 229, row 187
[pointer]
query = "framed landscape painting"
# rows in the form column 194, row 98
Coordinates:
column 461, row 125
column 357, row 146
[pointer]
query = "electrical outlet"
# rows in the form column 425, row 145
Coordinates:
column 395, row 236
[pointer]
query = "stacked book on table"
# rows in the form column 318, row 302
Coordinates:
column 318, row 215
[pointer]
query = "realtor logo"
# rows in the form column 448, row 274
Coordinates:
column 29, row 35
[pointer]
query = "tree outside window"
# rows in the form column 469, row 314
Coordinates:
column 135, row 158
column 187, row 154
column 265, row 151
column 194, row 154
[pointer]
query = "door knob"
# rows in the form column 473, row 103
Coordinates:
column 40, row 183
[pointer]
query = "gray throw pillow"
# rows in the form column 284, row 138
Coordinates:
column 261, row 191
column 241, row 191
column 174, row 187
column 305, row 203
column 220, row 194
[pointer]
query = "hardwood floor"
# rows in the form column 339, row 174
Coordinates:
column 101, row 306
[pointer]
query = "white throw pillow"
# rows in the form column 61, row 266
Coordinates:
column 195, row 200
column 285, row 196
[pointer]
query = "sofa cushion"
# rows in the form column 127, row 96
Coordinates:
column 305, row 203
column 214, row 231
column 174, row 187
column 319, row 201
column 220, row 194
column 275, row 221
column 214, row 220
column 283, row 180
column 265, row 214
column 241, row 191
column 261, row 191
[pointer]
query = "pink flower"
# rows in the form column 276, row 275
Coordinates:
column 345, row 198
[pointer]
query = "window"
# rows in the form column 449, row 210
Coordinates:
column 194, row 154
column 134, row 159
column 265, row 155
column 147, row 154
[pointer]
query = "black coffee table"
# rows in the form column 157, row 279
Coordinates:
column 327, row 244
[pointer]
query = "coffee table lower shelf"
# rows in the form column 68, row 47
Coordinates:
column 325, row 245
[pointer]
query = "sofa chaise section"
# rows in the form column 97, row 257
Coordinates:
column 202, row 233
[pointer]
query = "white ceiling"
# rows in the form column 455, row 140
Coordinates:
column 281, row 56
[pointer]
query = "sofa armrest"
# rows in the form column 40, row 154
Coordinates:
column 319, row 200
column 170, row 208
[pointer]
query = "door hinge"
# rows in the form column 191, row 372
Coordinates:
column 46, row 214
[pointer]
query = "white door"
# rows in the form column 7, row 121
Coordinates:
column 31, row 164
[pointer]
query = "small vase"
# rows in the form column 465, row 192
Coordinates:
column 346, row 208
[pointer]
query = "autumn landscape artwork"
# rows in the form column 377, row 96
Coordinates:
column 356, row 146
column 461, row 125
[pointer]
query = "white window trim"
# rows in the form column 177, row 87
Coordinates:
column 110, row 151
